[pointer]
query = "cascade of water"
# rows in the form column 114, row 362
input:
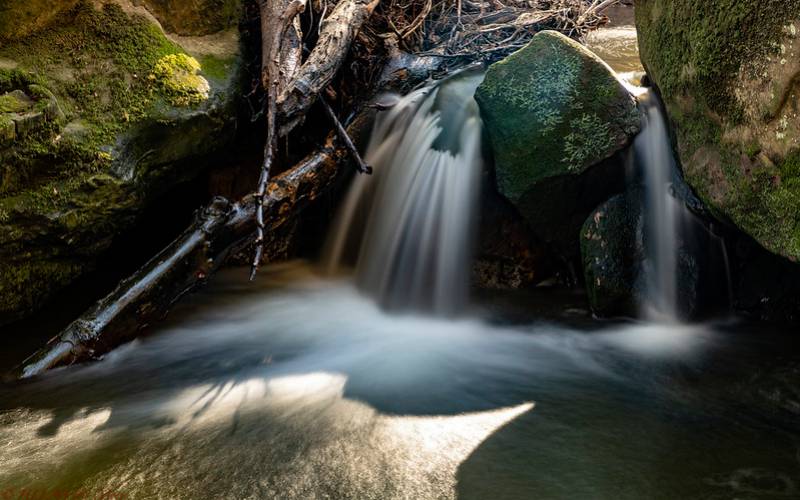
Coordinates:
column 662, row 213
column 408, row 227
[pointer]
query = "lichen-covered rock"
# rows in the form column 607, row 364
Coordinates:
column 553, row 110
column 119, row 113
column 728, row 73
column 612, row 253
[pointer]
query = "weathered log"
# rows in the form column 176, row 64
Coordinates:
column 188, row 261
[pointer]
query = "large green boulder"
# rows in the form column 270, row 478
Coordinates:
column 554, row 111
column 101, row 113
column 728, row 73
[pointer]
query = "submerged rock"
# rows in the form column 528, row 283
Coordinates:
column 554, row 111
column 110, row 113
column 728, row 74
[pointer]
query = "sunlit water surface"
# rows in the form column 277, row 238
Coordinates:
column 299, row 387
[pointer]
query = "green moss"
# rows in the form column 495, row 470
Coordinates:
column 11, row 104
column 26, row 283
column 97, row 61
column 694, row 51
column 217, row 68
column 698, row 62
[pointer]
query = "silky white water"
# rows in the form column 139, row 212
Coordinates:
column 298, row 387
column 662, row 213
column 408, row 227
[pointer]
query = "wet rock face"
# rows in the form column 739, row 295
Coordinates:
column 728, row 73
column 554, row 111
column 100, row 114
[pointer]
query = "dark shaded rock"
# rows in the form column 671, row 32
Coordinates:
column 612, row 252
column 619, row 267
column 508, row 256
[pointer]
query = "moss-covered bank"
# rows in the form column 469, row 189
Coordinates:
column 728, row 71
column 136, row 115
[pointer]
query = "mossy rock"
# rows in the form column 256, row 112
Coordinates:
column 728, row 73
column 121, row 133
column 554, row 111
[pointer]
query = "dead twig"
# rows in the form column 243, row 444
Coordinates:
column 361, row 165
column 272, row 73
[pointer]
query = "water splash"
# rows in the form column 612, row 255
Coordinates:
column 408, row 228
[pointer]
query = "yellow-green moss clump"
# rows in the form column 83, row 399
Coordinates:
column 179, row 78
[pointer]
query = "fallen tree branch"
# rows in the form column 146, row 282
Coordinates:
column 186, row 264
column 362, row 166
column 271, row 64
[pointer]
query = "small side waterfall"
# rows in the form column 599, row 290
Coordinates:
column 661, row 212
column 408, row 228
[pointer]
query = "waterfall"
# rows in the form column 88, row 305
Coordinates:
column 408, row 227
column 662, row 213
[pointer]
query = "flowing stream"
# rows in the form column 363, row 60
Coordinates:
column 303, row 386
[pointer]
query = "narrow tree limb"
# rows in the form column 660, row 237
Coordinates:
column 361, row 165
column 271, row 72
column 336, row 35
column 291, row 48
